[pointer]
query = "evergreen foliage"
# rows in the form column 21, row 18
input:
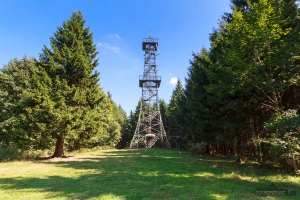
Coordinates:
column 14, row 84
column 249, row 75
column 129, row 126
column 284, row 137
column 163, row 106
column 83, row 116
column 56, row 100
column 175, row 115
column 241, row 95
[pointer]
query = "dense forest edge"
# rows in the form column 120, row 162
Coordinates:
column 240, row 98
column 55, row 102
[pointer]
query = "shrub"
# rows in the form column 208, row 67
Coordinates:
column 8, row 153
column 285, row 137
column 11, row 153
column 199, row 148
column 31, row 154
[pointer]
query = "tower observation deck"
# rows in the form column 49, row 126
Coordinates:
column 150, row 129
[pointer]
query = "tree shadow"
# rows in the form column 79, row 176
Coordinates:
column 145, row 174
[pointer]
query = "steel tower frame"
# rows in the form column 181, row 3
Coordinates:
column 150, row 128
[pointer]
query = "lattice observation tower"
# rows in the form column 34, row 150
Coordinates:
column 150, row 130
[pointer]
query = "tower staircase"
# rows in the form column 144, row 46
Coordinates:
column 150, row 123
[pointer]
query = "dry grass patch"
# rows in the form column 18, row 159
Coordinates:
column 235, row 176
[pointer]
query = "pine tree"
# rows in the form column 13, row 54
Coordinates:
column 25, row 120
column 199, row 112
column 163, row 106
column 251, row 74
column 135, row 117
column 128, row 127
column 175, row 115
column 14, row 81
column 70, row 64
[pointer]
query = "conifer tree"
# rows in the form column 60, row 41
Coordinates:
column 25, row 123
column 163, row 106
column 70, row 63
column 14, row 81
column 199, row 115
column 135, row 117
column 175, row 115
column 129, row 127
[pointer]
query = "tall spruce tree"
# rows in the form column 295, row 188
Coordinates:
column 70, row 64
column 175, row 115
column 250, row 73
column 200, row 118
column 163, row 106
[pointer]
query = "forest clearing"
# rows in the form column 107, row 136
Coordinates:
column 140, row 174
column 221, row 119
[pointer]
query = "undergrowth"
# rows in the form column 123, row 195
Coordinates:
column 11, row 153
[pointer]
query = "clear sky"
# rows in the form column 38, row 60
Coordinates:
column 181, row 27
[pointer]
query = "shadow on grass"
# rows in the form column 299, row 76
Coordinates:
column 151, row 174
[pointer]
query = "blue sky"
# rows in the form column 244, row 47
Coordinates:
column 181, row 27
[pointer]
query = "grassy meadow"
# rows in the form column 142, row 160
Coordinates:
column 140, row 174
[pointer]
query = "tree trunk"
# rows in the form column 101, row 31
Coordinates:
column 239, row 149
column 231, row 150
column 295, row 165
column 59, row 147
column 208, row 149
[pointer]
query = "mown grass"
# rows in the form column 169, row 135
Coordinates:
column 139, row 174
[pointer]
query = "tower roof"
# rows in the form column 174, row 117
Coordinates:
column 150, row 41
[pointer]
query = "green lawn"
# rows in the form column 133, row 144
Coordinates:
column 139, row 174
